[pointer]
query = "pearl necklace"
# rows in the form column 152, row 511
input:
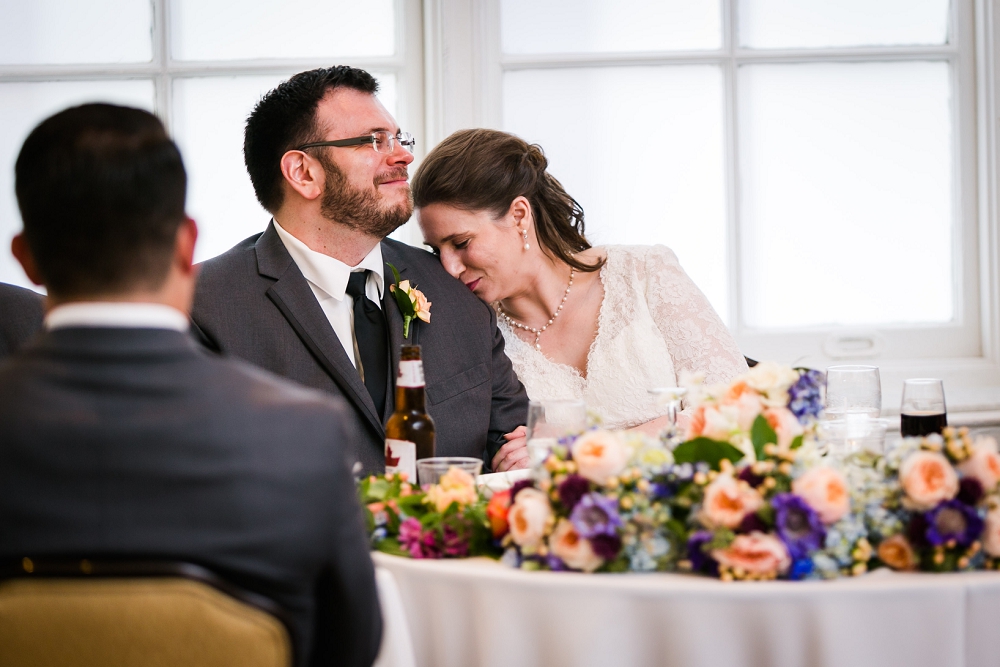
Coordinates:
column 538, row 332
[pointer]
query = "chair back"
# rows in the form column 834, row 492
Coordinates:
column 89, row 613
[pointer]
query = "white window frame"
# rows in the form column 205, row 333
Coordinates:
column 464, row 71
column 163, row 70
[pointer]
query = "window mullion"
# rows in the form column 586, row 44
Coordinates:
column 733, row 259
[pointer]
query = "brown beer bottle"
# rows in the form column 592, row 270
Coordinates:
column 409, row 433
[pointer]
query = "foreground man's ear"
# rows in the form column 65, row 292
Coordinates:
column 19, row 248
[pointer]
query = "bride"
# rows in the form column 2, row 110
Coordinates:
column 603, row 324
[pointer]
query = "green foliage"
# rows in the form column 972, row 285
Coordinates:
column 761, row 434
column 706, row 450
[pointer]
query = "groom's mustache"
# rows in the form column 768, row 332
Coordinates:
column 394, row 175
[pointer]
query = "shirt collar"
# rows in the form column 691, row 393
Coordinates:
column 116, row 314
column 327, row 273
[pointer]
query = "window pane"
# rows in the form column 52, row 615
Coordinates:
column 846, row 193
column 22, row 107
column 586, row 26
column 219, row 29
column 209, row 116
column 641, row 149
column 58, row 32
column 775, row 24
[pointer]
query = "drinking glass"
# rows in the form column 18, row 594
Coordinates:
column 923, row 410
column 848, row 436
column 853, row 392
column 669, row 398
column 430, row 470
column 548, row 421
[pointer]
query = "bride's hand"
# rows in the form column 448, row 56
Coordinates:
column 656, row 426
column 514, row 454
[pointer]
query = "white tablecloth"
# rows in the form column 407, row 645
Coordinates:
column 477, row 612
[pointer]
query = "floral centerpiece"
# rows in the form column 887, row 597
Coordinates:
column 933, row 504
column 447, row 520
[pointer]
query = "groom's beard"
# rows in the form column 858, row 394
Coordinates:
column 363, row 210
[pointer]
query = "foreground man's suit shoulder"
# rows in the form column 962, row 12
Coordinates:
column 21, row 312
column 253, row 303
column 136, row 441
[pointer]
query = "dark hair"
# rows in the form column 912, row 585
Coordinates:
column 485, row 170
column 285, row 118
column 101, row 190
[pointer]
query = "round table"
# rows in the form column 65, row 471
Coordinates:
column 478, row 612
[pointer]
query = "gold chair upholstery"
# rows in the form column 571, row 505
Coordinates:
column 147, row 620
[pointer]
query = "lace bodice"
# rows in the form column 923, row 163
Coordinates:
column 654, row 322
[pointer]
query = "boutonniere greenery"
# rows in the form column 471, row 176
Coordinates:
column 411, row 301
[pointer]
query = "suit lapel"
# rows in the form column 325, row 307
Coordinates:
column 296, row 301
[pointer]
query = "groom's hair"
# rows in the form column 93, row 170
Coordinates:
column 285, row 118
column 101, row 191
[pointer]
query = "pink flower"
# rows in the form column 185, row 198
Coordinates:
column 574, row 550
column 420, row 544
column 785, row 425
column 825, row 490
column 599, row 455
column 727, row 500
column 984, row 464
column 529, row 517
column 928, row 479
column 456, row 486
column 744, row 405
column 757, row 554
column 991, row 533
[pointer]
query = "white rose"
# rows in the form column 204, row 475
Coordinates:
column 599, row 455
column 529, row 517
column 773, row 380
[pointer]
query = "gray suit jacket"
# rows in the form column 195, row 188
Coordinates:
column 252, row 302
column 21, row 312
column 138, row 443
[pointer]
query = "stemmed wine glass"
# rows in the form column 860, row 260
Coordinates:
column 669, row 398
column 923, row 410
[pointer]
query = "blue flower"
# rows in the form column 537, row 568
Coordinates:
column 596, row 515
column 800, row 569
column 953, row 520
column 701, row 561
column 797, row 525
column 806, row 395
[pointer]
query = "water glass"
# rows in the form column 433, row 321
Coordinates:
column 854, row 434
column 923, row 411
column 430, row 470
column 853, row 390
column 550, row 420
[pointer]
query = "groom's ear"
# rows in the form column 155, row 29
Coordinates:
column 303, row 173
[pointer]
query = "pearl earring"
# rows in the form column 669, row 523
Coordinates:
column 524, row 235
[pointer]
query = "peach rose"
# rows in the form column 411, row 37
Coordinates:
column 984, row 464
column 785, row 425
column 599, row 455
column 529, row 517
column 928, row 479
column 574, row 550
column 897, row 553
column 825, row 490
column 721, row 422
column 727, row 500
column 991, row 533
column 456, row 486
column 757, row 554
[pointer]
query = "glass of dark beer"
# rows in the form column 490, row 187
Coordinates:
column 923, row 411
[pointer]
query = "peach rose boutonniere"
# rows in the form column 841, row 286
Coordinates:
column 412, row 303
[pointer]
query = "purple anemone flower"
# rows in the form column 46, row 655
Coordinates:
column 701, row 561
column 953, row 520
column 572, row 489
column 797, row 524
column 595, row 515
column 806, row 395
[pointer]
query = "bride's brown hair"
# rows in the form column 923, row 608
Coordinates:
column 485, row 170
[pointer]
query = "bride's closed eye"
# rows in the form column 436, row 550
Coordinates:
column 461, row 245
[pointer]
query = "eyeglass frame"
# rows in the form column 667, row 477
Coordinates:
column 404, row 139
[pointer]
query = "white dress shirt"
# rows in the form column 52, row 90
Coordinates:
column 116, row 314
column 327, row 277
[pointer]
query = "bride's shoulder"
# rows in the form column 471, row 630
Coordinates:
column 639, row 257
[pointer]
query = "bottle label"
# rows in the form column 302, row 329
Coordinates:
column 411, row 374
column 401, row 456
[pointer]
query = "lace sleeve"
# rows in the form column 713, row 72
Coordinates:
column 695, row 335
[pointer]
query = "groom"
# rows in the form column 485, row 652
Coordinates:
column 310, row 297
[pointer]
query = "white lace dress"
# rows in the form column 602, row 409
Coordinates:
column 654, row 322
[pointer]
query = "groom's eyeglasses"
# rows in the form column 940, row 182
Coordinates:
column 381, row 141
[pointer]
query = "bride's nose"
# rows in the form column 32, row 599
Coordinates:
column 451, row 263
